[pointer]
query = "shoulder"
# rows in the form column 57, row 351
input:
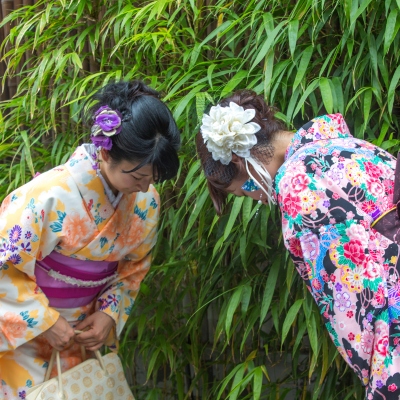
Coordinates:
column 319, row 129
column 57, row 176
column 33, row 207
column 43, row 188
column 331, row 125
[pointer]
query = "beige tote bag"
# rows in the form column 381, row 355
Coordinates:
column 100, row 378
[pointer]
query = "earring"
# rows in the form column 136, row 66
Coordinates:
column 250, row 186
column 259, row 205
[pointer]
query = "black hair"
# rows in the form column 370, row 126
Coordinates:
column 149, row 133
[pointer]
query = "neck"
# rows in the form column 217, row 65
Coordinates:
column 104, row 174
column 281, row 142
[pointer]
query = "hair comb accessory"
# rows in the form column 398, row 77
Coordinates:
column 107, row 123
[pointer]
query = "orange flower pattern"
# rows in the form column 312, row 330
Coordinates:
column 12, row 326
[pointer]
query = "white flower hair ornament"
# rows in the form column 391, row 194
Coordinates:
column 227, row 130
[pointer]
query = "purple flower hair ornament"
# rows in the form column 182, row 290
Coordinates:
column 102, row 141
column 107, row 123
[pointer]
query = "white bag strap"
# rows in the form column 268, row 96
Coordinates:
column 55, row 355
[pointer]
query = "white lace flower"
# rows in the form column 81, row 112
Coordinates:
column 227, row 130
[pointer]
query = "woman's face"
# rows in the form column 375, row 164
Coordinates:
column 127, row 183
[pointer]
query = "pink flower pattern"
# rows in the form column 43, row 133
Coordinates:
column 354, row 181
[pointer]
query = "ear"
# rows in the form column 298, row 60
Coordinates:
column 238, row 161
column 240, row 165
column 105, row 156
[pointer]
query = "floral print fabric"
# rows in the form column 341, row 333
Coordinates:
column 330, row 189
column 67, row 210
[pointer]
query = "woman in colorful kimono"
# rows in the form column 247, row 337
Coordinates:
column 332, row 190
column 75, row 242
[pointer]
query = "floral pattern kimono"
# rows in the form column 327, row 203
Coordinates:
column 330, row 189
column 67, row 210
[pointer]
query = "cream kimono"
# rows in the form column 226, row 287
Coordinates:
column 67, row 210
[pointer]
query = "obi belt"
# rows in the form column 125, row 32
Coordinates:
column 388, row 223
column 68, row 282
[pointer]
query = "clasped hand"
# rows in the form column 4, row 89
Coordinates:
column 96, row 327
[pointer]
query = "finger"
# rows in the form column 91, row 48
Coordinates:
column 83, row 324
column 71, row 335
column 84, row 337
column 89, row 341
column 59, row 346
column 95, row 338
column 94, row 347
column 92, row 343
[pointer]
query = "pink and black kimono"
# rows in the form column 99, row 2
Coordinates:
column 332, row 189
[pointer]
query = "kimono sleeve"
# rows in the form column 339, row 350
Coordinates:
column 24, row 235
column 118, row 299
column 345, row 266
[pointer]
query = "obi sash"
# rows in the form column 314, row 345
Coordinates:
column 388, row 224
column 68, row 282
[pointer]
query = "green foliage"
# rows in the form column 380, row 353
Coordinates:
column 222, row 308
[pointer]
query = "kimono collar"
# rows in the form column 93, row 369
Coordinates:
column 325, row 127
column 89, row 183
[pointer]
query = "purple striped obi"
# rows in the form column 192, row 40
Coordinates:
column 68, row 282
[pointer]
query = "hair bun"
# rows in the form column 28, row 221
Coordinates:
column 138, row 88
column 265, row 114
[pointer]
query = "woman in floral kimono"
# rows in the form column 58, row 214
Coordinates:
column 75, row 242
column 333, row 191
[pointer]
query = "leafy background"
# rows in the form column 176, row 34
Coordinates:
column 222, row 314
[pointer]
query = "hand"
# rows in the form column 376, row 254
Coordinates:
column 100, row 325
column 60, row 334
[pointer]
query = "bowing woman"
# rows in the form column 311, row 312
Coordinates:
column 337, row 198
column 75, row 242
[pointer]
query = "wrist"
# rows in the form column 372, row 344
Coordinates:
column 104, row 312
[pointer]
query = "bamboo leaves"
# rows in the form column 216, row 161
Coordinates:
column 268, row 42
column 229, row 274
column 303, row 65
column 237, row 205
column 392, row 27
column 27, row 152
column 270, row 288
column 326, row 93
column 290, row 318
column 293, row 29
column 232, row 305
column 234, row 83
column 392, row 88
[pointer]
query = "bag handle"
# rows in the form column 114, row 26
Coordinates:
column 55, row 355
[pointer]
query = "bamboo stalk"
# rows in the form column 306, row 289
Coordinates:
column 7, row 6
column 4, row 95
